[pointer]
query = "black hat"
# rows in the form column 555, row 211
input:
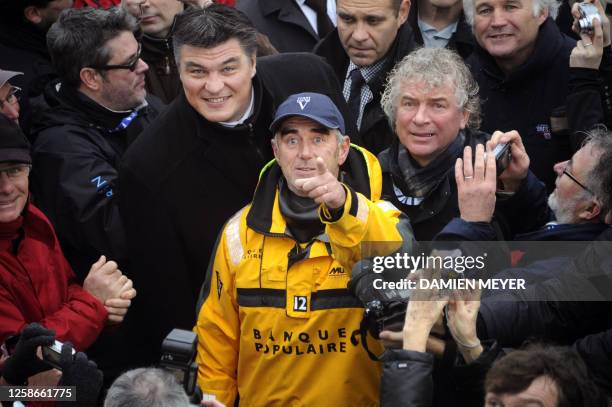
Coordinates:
column 14, row 145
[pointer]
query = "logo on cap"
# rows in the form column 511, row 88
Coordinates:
column 303, row 101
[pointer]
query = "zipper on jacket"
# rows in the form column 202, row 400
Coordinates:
column 253, row 143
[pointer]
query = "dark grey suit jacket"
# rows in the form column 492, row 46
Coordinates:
column 283, row 22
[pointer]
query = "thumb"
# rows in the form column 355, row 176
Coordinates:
column 321, row 167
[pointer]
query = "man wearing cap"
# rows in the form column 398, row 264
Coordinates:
column 9, row 102
column 275, row 306
column 36, row 282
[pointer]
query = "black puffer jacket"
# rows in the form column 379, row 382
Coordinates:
column 375, row 133
column 407, row 379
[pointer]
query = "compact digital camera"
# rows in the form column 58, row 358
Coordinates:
column 587, row 13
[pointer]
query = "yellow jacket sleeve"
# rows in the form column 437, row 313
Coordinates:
column 218, row 326
column 366, row 229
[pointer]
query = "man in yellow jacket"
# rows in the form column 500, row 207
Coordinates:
column 277, row 324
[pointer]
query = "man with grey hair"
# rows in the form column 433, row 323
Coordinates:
column 146, row 387
column 432, row 103
column 578, row 206
column 534, row 79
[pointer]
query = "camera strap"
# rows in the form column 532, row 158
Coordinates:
column 363, row 333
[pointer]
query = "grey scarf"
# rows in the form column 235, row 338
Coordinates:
column 420, row 181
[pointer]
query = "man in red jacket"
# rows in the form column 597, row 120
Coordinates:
column 36, row 282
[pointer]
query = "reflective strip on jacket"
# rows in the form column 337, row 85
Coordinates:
column 278, row 325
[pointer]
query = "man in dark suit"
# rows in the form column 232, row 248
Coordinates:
column 372, row 36
column 291, row 25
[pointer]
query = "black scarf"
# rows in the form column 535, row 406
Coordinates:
column 419, row 181
column 301, row 214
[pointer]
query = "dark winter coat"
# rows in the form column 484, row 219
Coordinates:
column 283, row 22
column 515, row 215
column 527, row 99
column 575, row 303
column 183, row 178
column 24, row 49
column 162, row 79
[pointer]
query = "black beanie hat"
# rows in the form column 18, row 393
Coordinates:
column 14, row 145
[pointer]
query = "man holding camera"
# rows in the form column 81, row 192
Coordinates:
column 276, row 309
column 535, row 79
column 432, row 103
column 575, row 205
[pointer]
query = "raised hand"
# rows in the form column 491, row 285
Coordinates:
column 324, row 187
column 476, row 184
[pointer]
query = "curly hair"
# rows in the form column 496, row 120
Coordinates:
column 434, row 67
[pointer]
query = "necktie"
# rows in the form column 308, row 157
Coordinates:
column 324, row 24
column 354, row 101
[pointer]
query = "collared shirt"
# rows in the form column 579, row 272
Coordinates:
column 246, row 114
column 369, row 73
column 433, row 38
column 311, row 15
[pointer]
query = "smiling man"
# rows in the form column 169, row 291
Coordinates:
column 431, row 100
column 371, row 37
column 199, row 164
column 534, row 78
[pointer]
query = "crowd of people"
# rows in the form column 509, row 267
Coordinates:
column 234, row 168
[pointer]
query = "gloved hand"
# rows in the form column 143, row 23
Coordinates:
column 81, row 372
column 24, row 362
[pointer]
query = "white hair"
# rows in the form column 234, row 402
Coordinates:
column 536, row 6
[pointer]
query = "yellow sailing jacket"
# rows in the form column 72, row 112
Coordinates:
column 277, row 324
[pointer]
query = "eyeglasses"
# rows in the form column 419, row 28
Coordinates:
column 12, row 98
column 130, row 65
column 16, row 171
column 580, row 184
